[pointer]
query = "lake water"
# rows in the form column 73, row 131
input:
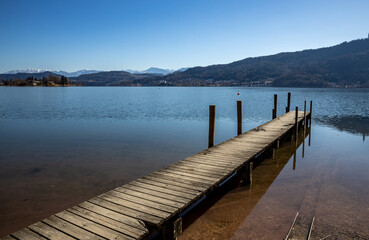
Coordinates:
column 61, row 146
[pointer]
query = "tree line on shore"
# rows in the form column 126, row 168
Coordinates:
column 50, row 81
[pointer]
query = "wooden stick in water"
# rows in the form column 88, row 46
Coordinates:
column 211, row 125
column 239, row 117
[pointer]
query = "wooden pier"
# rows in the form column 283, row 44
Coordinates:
column 153, row 206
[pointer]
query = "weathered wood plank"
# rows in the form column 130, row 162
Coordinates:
column 49, row 232
column 175, row 182
column 148, row 196
column 194, row 182
column 159, row 192
column 137, row 206
column 92, row 226
column 153, row 220
column 108, row 222
column 144, row 201
column 205, row 167
column 69, row 228
column 185, row 177
column 25, row 233
column 175, row 187
column 198, row 170
column 208, row 179
column 212, row 161
column 9, row 238
column 133, row 222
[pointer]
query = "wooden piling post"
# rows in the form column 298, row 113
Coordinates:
column 239, row 117
column 211, row 125
column 288, row 102
column 305, row 116
column 275, row 106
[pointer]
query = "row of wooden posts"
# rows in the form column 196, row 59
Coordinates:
column 239, row 117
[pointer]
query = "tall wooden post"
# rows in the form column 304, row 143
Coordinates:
column 211, row 125
column 275, row 106
column 288, row 102
column 239, row 117
column 305, row 116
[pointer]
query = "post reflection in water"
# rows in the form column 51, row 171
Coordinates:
column 303, row 143
column 220, row 216
column 297, row 143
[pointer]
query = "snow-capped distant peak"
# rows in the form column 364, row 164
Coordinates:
column 60, row 72
column 29, row 70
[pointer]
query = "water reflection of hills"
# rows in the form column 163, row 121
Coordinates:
column 351, row 124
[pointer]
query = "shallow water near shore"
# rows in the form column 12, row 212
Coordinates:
column 61, row 146
column 324, row 180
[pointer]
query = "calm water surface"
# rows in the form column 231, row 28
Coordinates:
column 61, row 146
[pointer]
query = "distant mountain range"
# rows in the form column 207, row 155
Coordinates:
column 343, row 65
column 157, row 71
column 152, row 70
column 59, row 72
column 22, row 75
column 111, row 78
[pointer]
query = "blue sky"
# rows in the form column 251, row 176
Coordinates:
column 115, row 35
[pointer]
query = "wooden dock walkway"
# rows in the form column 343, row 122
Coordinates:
column 156, row 202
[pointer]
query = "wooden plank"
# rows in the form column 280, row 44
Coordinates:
column 136, row 223
column 9, row 238
column 210, row 162
column 148, row 196
column 92, row 226
column 221, row 157
column 202, row 166
column 144, row 201
column 25, row 233
column 196, row 171
column 237, row 154
column 137, row 206
column 108, row 222
column 202, row 174
column 159, row 192
column 202, row 177
column 175, row 182
column 154, row 193
column 185, row 175
column 70, row 229
column 213, row 161
column 174, row 186
column 200, row 170
column 153, row 220
column 49, row 232
column 188, row 180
